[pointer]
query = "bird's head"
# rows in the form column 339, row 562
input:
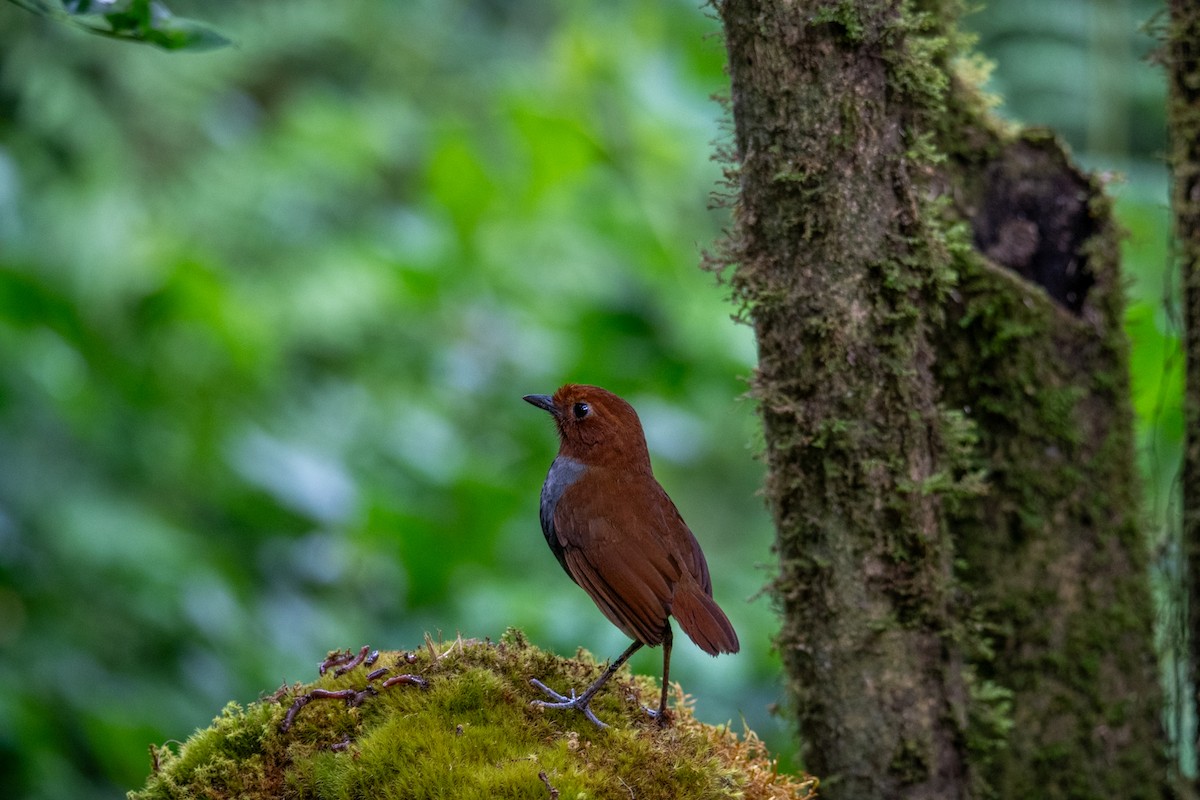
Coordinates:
column 594, row 425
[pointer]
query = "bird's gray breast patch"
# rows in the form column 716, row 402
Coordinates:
column 563, row 472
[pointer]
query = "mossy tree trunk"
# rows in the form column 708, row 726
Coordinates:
column 942, row 381
column 1183, row 48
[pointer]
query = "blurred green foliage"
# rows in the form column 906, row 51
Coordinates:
column 146, row 21
column 266, row 317
column 267, row 313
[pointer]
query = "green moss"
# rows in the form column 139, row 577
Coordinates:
column 911, row 762
column 471, row 733
column 990, row 722
column 845, row 15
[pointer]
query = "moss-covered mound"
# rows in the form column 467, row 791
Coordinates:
column 463, row 727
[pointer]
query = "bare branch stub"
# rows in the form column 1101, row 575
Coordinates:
column 352, row 697
column 333, row 659
column 412, row 680
column 354, row 662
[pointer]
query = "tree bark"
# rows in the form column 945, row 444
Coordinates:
column 1183, row 50
column 942, row 381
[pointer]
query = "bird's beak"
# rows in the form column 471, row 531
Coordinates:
column 542, row 401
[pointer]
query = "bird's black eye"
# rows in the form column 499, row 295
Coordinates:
column 581, row 410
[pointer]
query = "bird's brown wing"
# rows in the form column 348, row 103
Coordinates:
column 630, row 553
column 692, row 602
column 677, row 538
column 633, row 591
column 616, row 546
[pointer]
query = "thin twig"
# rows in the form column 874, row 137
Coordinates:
column 546, row 780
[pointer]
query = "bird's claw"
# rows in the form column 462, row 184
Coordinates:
column 576, row 702
column 553, row 694
column 662, row 719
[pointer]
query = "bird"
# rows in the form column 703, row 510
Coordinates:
column 618, row 536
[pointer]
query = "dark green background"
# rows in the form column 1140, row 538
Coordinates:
column 267, row 313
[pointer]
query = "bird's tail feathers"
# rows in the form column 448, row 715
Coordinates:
column 703, row 620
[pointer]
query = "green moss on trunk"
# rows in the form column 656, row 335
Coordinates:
column 1051, row 554
column 844, row 264
column 942, row 378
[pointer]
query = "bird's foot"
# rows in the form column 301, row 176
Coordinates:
column 661, row 718
column 577, row 702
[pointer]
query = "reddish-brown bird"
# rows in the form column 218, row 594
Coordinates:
column 618, row 535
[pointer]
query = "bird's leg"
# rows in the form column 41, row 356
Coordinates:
column 662, row 705
column 660, row 716
column 580, row 702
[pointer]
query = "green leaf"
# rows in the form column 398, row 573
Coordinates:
column 132, row 21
